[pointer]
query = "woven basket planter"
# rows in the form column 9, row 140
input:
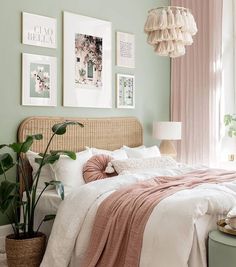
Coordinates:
column 25, row 252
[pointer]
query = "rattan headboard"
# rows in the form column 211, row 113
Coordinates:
column 104, row 133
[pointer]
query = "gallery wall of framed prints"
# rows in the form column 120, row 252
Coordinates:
column 87, row 63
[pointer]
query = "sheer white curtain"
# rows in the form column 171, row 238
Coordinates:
column 196, row 82
column 228, row 99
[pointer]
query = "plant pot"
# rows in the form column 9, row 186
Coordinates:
column 25, row 252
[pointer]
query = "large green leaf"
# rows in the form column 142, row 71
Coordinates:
column 7, row 194
column 60, row 128
column 49, row 159
column 25, row 146
column 37, row 136
column 70, row 154
column 6, row 162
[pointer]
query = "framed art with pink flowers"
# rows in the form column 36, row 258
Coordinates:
column 87, row 62
column 39, row 82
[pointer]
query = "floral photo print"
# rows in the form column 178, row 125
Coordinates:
column 39, row 85
column 40, row 80
column 87, row 62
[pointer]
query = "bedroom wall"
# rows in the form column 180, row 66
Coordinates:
column 152, row 72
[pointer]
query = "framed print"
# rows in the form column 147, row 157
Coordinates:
column 125, row 50
column 39, row 30
column 87, row 62
column 39, row 80
column 125, row 91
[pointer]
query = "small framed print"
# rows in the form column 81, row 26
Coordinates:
column 125, row 50
column 125, row 91
column 39, row 30
column 39, row 80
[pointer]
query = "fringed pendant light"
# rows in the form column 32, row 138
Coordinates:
column 170, row 29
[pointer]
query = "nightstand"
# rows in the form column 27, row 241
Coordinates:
column 221, row 250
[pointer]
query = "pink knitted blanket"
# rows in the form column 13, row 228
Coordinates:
column 116, row 238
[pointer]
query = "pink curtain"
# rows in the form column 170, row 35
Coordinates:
column 196, row 80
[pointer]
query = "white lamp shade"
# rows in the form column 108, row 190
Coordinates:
column 167, row 130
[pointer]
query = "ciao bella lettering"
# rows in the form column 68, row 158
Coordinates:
column 42, row 34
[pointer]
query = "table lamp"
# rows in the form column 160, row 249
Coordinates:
column 167, row 131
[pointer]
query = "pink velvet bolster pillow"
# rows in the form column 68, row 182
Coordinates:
column 95, row 168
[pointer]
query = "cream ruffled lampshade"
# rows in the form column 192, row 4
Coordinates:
column 170, row 29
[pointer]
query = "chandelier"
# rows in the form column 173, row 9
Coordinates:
column 170, row 29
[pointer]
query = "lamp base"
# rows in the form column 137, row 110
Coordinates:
column 167, row 148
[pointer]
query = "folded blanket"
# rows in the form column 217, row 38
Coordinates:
column 117, row 235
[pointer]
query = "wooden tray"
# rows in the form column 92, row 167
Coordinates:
column 221, row 227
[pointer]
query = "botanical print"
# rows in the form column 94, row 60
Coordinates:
column 40, row 80
column 125, row 91
column 88, row 61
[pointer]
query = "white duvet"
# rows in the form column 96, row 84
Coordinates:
column 175, row 234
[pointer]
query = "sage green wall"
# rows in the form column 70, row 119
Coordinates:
column 152, row 72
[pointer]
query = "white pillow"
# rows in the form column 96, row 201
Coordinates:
column 116, row 154
column 69, row 171
column 137, row 147
column 144, row 163
column 143, row 152
column 46, row 174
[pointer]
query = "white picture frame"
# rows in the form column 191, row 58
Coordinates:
column 87, row 62
column 125, row 91
column 39, row 30
column 39, row 80
column 125, row 50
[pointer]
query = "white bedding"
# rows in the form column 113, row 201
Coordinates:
column 180, row 222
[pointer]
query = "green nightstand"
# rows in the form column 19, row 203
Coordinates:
column 222, row 250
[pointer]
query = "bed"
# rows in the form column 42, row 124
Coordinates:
column 177, row 230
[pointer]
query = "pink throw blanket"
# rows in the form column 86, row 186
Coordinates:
column 116, row 238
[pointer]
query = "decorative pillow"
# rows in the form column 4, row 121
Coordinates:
column 69, row 171
column 46, row 172
column 143, row 152
column 96, row 168
column 115, row 154
column 144, row 163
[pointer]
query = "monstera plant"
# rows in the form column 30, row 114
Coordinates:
column 11, row 202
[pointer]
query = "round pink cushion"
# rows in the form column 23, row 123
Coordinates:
column 95, row 168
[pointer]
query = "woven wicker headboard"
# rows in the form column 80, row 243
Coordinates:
column 104, row 133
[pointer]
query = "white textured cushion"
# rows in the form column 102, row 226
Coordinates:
column 69, row 171
column 144, row 163
column 46, row 172
column 143, row 152
column 115, row 154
